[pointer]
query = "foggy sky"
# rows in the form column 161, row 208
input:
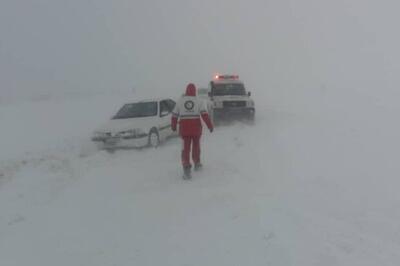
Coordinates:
column 280, row 48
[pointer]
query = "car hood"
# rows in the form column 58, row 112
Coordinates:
column 115, row 126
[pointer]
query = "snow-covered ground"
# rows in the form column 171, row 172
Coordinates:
column 309, row 184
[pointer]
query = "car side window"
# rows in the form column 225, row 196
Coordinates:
column 171, row 104
column 164, row 108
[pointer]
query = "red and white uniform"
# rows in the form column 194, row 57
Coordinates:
column 189, row 110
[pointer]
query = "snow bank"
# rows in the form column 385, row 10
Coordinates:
column 304, row 186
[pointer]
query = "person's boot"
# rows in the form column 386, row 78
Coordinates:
column 186, row 172
column 198, row 166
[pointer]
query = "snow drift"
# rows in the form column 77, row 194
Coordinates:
column 301, row 187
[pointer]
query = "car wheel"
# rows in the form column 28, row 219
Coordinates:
column 154, row 138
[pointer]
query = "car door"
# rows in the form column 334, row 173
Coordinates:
column 171, row 104
column 165, row 119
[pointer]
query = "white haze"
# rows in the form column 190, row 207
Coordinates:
column 313, row 182
column 287, row 50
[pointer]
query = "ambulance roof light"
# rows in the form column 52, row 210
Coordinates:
column 226, row 76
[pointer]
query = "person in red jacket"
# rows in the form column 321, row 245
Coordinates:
column 189, row 110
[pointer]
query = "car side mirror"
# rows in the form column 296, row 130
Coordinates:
column 164, row 113
column 248, row 93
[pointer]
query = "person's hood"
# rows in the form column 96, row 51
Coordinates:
column 191, row 90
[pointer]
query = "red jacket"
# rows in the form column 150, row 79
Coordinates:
column 189, row 110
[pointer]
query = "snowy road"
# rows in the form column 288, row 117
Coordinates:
column 297, row 188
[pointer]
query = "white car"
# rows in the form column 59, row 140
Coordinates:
column 137, row 124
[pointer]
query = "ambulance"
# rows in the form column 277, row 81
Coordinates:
column 230, row 100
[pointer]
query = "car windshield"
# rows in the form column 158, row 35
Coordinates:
column 133, row 110
column 229, row 89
